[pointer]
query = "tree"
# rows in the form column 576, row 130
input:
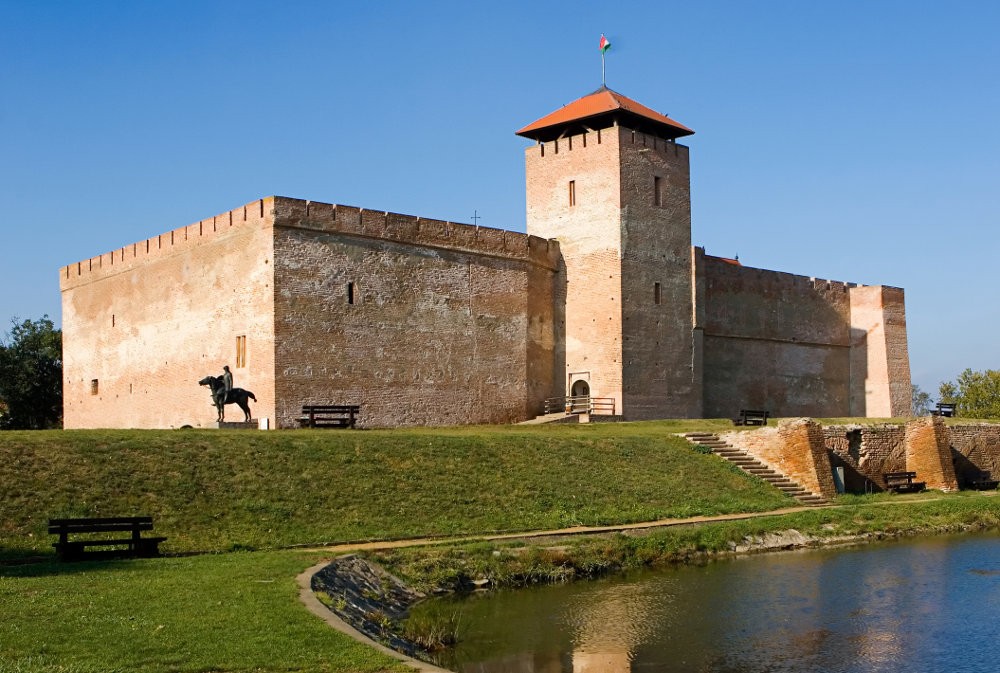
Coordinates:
column 975, row 394
column 921, row 401
column 947, row 392
column 31, row 376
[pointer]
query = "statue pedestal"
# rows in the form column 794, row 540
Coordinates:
column 236, row 425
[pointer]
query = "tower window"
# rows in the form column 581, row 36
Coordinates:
column 93, row 386
column 241, row 351
column 350, row 293
column 572, row 192
column 657, row 190
column 656, row 293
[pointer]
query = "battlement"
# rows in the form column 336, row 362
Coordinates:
column 288, row 212
column 623, row 135
column 723, row 265
column 254, row 214
column 414, row 230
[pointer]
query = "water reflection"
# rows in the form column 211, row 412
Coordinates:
column 927, row 605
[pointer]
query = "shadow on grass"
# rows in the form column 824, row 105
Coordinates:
column 50, row 566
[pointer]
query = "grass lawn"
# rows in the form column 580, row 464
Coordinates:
column 240, row 611
column 211, row 490
column 220, row 612
column 220, row 491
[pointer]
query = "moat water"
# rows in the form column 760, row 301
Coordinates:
column 919, row 606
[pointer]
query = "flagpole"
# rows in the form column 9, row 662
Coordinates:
column 604, row 44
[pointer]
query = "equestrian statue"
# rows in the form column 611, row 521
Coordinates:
column 221, row 397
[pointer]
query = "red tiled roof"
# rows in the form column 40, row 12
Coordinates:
column 726, row 260
column 603, row 102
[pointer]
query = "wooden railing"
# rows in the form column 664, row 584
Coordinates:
column 581, row 404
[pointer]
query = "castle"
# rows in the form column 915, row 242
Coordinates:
column 426, row 322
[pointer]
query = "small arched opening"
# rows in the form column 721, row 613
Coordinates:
column 579, row 401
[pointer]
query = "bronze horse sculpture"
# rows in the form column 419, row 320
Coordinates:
column 236, row 396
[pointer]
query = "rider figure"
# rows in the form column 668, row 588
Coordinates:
column 227, row 381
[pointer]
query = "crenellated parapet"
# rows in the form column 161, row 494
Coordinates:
column 669, row 149
column 349, row 220
column 413, row 230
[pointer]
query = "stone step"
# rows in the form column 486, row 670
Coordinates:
column 753, row 466
column 731, row 455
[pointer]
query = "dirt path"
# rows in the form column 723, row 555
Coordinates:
column 579, row 530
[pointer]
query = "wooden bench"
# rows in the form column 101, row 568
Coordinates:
column 752, row 417
column 134, row 546
column 329, row 415
column 902, row 482
column 944, row 409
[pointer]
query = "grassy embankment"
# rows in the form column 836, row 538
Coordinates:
column 218, row 491
column 225, row 491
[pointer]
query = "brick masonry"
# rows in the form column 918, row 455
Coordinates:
column 975, row 449
column 928, row 453
column 794, row 448
column 440, row 328
column 143, row 324
column 945, row 457
column 831, row 348
column 427, row 322
column 625, row 237
column 866, row 453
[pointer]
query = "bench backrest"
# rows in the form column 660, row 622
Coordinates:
column 100, row 524
column 330, row 408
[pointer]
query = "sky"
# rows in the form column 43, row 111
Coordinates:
column 853, row 140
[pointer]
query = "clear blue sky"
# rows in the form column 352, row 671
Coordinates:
column 854, row 141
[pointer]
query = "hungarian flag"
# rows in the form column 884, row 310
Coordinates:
column 605, row 43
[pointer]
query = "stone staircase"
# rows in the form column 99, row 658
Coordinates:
column 751, row 465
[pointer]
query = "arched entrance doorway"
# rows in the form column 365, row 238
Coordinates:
column 579, row 401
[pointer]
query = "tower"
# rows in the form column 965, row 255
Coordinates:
column 607, row 178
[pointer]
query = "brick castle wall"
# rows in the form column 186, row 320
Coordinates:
column 772, row 341
column 149, row 320
column 441, row 329
column 373, row 309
